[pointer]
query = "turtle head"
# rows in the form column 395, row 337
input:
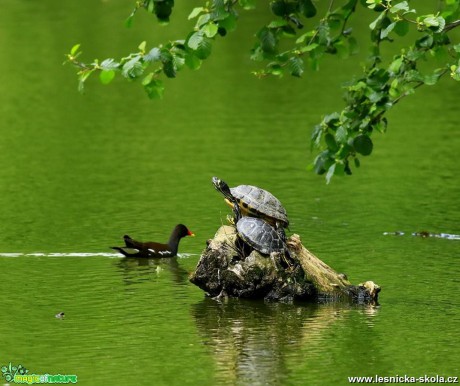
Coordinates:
column 222, row 187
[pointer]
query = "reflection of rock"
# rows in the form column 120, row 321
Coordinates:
column 257, row 343
column 249, row 340
column 229, row 267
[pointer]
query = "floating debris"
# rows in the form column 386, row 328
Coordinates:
column 397, row 233
column 422, row 234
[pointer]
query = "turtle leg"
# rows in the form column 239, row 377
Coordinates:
column 287, row 257
column 231, row 220
column 280, row 230
column 236, row 211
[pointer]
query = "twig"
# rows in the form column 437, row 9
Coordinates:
column 452, row 25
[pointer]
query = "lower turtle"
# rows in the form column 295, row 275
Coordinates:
column 259, row 234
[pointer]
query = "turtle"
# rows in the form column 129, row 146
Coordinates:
column 254, row 202
column 258, row 233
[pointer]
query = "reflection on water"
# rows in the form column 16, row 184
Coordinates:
column 135, row 270
column 252, row 342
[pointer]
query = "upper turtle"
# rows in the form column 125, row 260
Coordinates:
column 255, row 202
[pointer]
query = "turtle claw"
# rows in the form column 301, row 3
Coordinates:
column 231, row 219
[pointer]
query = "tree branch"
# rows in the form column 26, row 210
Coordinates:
column 452, row 25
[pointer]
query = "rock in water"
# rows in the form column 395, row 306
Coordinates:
column 228, row 267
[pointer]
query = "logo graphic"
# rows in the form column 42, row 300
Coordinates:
column 19, row 374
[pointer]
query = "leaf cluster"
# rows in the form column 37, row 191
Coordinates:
column 343, row 137
column 285, row 46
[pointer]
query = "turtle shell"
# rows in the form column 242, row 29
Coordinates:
column 260, row 203
column 259, row 235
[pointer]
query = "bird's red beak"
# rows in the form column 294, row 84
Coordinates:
column 189, row 233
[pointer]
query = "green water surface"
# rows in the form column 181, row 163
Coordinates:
column 78, row 172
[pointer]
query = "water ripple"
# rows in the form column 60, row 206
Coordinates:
column 424, row 234
column 78, row 254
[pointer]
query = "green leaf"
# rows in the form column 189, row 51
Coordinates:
column 395, row 65
column 195, row 40
column 147, row 79
column 296, row 66
column 288, row 31
column 83, row 76
column 455, row 72
column 302, row 38
column 403, row 6
column 344, row 151
column 106, row 76
column 129, row 21
column 163, row 10
column 275, row 69
column 433, row 78
column 203, row 19
column 425, row 42
column 192, row 62
column 363, row 144
column 377, row 21
column 341, row 135
column 142, row 46
column 277, row 24
column 132, row 68
column 195, row 12
column 279, row 8
column 435, row 23
column 331, row 119
column 154, row 89
column 330, row 173
column 323, row 34
column 210, row 29
column 267, row 40
column 150, row 5
column 109, row 64
column 322, row 162
column 153, row 55
column 229, row 23
column 341, row 50
column 247, row 4
column 386, row 31
column 74, row 49
column 178, row 61
column 353, row 45
column 307, row 8
column 316, row 136
column 169, row 69
column 330, row 142
column 200, row 44
column 401, row 28
column 309, row 48
column 380, row 126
